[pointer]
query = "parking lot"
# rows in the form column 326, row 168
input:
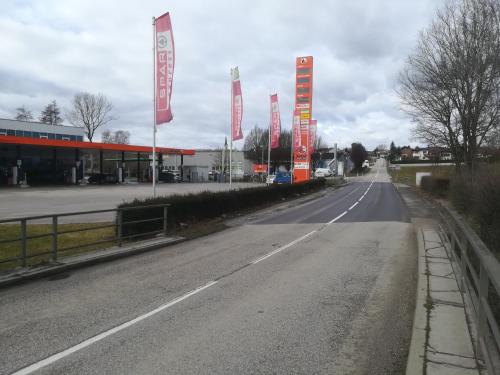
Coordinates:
column 33, row 201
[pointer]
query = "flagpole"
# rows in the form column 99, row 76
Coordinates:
column 154, row 108
column 269, row 138
column 231, row 136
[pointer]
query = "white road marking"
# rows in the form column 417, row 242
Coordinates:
column 338, row 217
column 354, row 205
column 283, row 247
column 55, row 357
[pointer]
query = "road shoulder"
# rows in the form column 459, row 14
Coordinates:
column 441, row 339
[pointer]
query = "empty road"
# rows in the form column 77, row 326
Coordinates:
column 326, row 287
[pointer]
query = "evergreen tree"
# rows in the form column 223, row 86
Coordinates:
column 51, row 114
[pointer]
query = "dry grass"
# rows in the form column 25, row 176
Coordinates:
column 38, row 247
column 406, row 175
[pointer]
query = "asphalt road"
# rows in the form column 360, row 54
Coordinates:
column 324, row 288
column 36, row 201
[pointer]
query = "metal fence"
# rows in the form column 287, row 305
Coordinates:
column 55, row 232
column 478, row 274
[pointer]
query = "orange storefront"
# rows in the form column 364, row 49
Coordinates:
column 40, row 161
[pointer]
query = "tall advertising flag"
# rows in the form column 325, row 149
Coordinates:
column 313, row 126
column 236, row 106
column 275, row 122
column 297, row 139
column 165, row 62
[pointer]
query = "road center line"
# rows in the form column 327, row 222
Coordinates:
column 338, row 217
column 55, row 357
column 283, row 247
column 354, row 205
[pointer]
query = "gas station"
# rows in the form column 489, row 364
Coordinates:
column 55, row 155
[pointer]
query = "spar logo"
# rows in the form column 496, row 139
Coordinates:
column 165, row 67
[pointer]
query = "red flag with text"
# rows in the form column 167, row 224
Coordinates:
column 313, row 125
column 236, row 106
column 275, row 122
column 165, row 62
column 297, row 138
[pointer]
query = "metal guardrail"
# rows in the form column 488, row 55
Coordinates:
column 479, row 278
column 55, row 250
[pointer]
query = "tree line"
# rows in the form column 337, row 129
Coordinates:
column 450, row 85
column 87, row 111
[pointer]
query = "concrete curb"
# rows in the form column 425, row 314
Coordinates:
column 416, row 356
column 81, row 261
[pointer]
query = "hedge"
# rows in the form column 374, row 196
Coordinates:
column 186, row 208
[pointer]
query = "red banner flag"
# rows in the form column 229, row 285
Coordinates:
column 297, row 138
column 165, row 62
column 313, row 125
column 275, row 122
column 236, row 106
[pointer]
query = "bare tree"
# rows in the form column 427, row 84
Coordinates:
column 90, row 112
column 119, row 137
column 255, row 146
column 450, row 85
column 23, row 114
column 51, row 114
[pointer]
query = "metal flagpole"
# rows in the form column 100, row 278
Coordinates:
column 269, row 138
column 231, row 136
column 154, row 108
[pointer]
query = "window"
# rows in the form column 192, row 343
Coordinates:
column 72, row 138
column 11, row 132
column 59, row 137
column 35, row 134
column 303, row 71
column 64, row 138
column 27, row 134
column 19, row 133
column 51, row 136
column 79, row 138
column 3, row 131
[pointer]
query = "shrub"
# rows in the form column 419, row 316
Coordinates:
column 206, row 205
column 437, row 186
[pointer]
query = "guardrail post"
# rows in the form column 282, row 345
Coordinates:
column 120, row 227
column 23, row 242
column 463, row 266
column 54, row 238
column 165, row 209
column 482, row 323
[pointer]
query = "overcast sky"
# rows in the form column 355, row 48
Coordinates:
column 52, row 49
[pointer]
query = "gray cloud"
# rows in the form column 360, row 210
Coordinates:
column 53, row 49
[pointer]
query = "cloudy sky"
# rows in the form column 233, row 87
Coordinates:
column 52, row 49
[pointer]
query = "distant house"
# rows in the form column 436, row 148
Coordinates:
column 406, row 153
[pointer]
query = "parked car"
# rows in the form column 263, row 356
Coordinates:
column 169, row 176
column 103, row 178
column 270, row 179
column 282, row 178
column 323, row 172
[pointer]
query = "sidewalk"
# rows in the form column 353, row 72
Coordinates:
column 82, row 260
column 441, row 341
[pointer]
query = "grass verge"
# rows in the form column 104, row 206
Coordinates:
column 39, row 248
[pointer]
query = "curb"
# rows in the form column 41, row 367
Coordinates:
column 416, row 355
column 81, row 262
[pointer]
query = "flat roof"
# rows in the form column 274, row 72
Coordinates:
column 7, row 139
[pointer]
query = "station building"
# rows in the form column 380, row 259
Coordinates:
column 40, row 154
